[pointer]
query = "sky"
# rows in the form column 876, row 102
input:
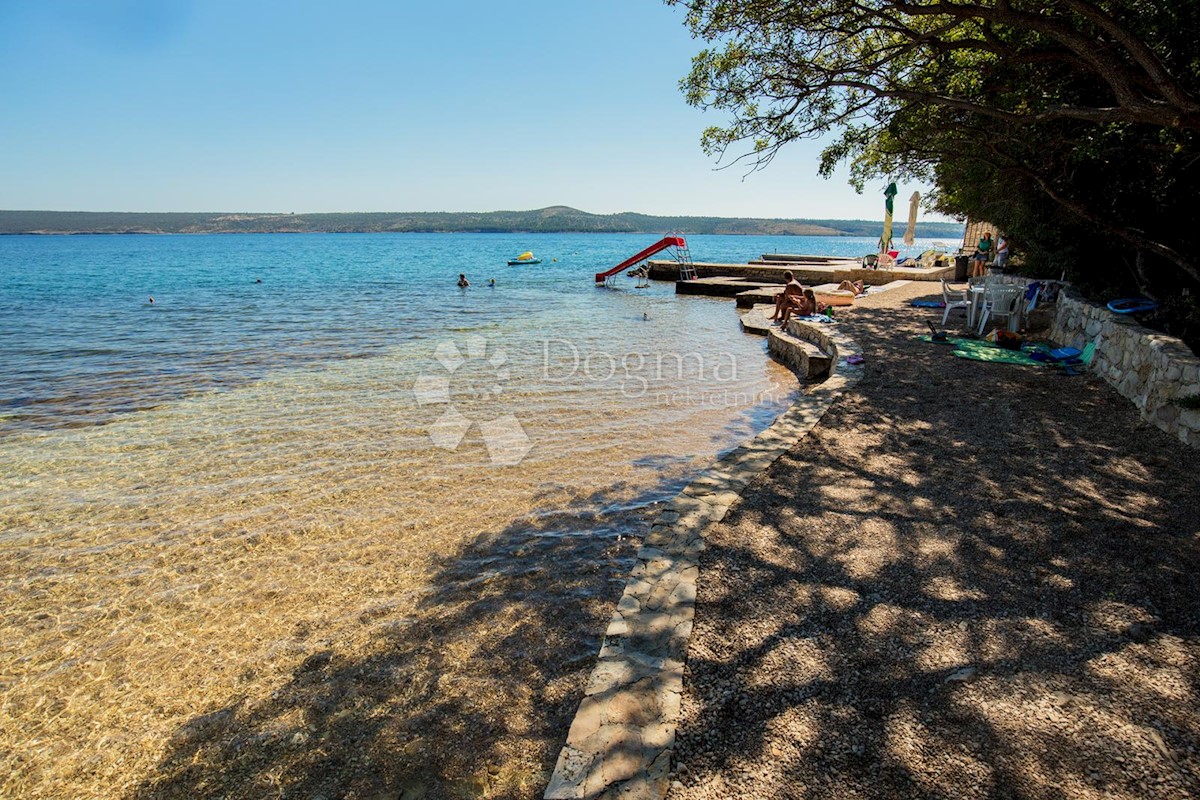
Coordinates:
column 459, row 105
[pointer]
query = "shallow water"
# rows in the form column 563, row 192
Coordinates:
column 237, row 458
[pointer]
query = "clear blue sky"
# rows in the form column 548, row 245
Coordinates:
column 244, row 105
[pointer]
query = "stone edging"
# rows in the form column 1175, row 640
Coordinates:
column 1147, row 367
column 620, row 742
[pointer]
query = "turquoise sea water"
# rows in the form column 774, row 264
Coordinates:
column 239, row 461
column 81, row 344
column 271, row 363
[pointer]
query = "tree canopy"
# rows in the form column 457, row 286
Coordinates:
column 1072, row 125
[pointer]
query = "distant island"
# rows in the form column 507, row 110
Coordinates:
column 555, row 219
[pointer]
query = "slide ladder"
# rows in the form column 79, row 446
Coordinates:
column 677, row 242
column 683, row 256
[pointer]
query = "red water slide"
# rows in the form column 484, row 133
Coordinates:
column 667, row 241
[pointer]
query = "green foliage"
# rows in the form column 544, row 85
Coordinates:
column 1074, row 125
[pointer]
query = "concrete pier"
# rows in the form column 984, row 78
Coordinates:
column 788, row 258
column 758, row 276
column 726, row 287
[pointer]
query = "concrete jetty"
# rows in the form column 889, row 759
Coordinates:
column 788, row 258
column 767, row 294
column 729, row 280
column 720, row 286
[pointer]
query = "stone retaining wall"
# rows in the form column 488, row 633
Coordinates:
column 794, row 355
column 620, row 743
column 1145, row 366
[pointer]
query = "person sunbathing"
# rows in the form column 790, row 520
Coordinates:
column 802, row 306
column 792, row 289
column 852, row 286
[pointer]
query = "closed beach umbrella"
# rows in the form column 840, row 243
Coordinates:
column 910, row 232
column 885, row 241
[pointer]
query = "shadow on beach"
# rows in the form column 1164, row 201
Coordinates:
column 979, row 580
column 470, row 697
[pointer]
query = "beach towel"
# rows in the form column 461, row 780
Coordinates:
column 928, row 304
column 954, row 340
column 997, row 355
column 977, row 350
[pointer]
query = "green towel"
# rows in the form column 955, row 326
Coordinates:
column 998, row 355
column 954, row 340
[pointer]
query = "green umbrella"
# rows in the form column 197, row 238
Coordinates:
column 885, row 241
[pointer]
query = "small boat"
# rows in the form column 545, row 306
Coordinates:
column 525, row 258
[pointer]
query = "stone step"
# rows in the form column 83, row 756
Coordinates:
column 753, row 297
column 719, row 286
column 800, row 355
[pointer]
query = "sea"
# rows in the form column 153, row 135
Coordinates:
column 206, row 440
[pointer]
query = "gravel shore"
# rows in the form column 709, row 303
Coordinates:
column 972, row 580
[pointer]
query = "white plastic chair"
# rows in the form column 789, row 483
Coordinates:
column 953, row 299
column 1000, row 301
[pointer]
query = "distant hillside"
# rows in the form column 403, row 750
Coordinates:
column 555, row 219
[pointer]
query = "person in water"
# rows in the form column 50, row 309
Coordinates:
column 793, row 290
column 492, row 282
column 462, row 280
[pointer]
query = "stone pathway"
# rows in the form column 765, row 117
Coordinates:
column 620, row 743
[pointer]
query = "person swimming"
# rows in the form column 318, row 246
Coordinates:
column 491, row 282
column 462, row 280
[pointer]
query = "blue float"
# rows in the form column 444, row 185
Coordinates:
column 1132, row 305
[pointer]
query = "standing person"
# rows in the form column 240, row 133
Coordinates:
column 983, row 254
column 1002, row 252
column 462, row 280
column 793, row 290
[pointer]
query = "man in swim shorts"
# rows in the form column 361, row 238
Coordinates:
column 793, row 290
